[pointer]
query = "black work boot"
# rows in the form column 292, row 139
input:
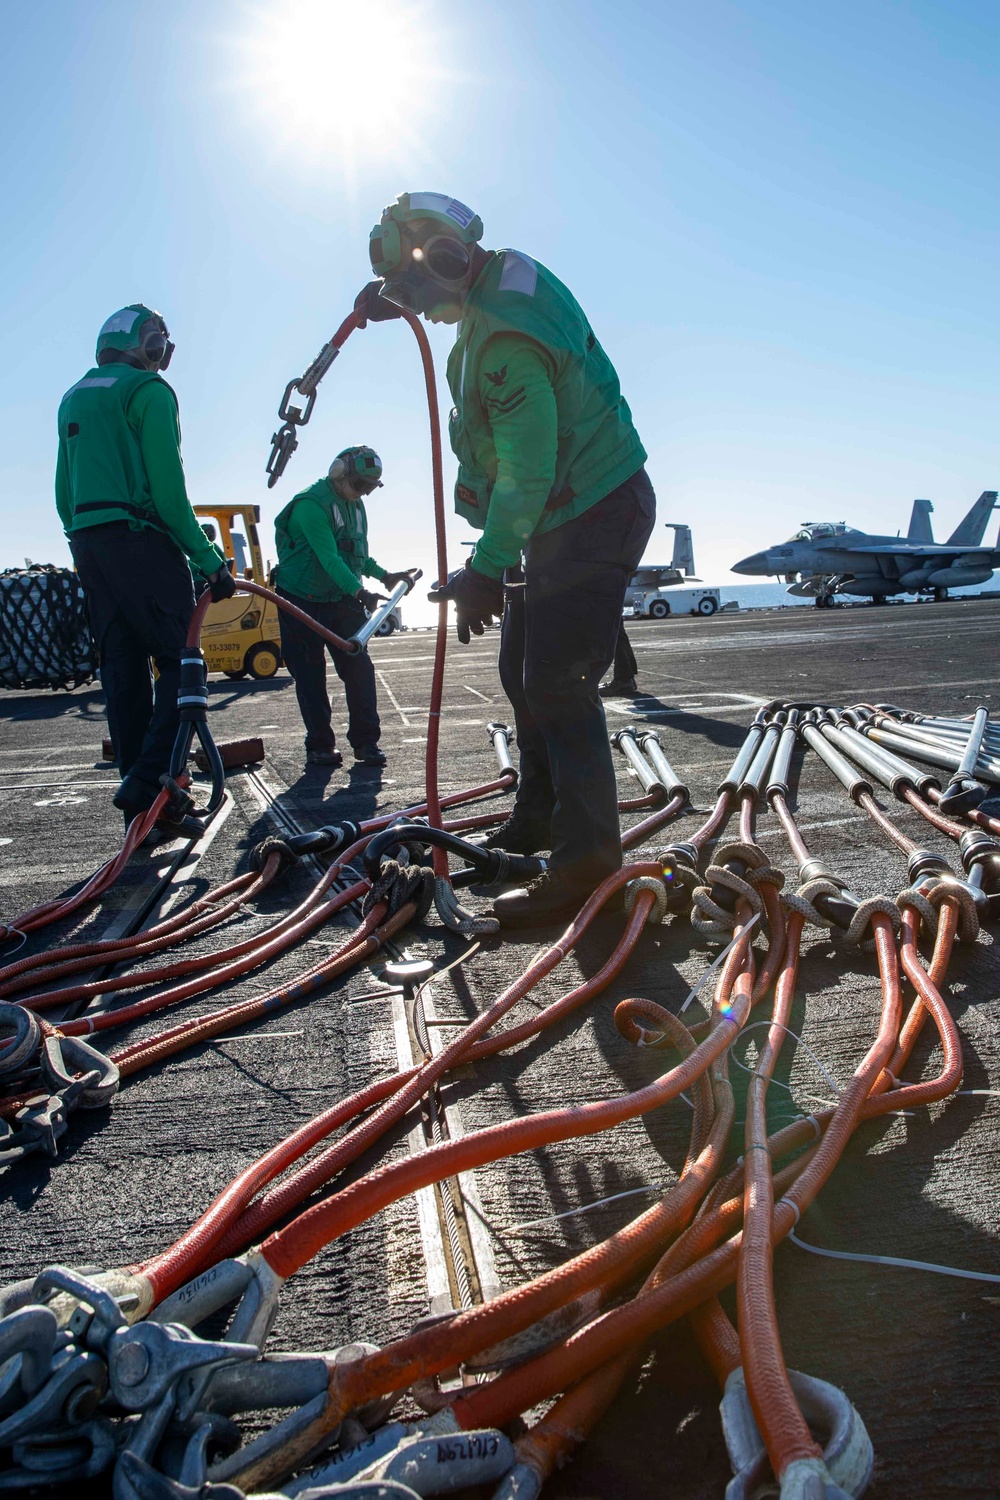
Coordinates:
column 625, row 687
column 521, row 834
column 369, row 755
column 550, row 898
column 331, row 758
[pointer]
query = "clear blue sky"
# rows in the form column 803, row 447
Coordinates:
column 782, row 220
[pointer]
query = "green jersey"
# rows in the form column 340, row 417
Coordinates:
column 119, row 460
column 540, row 428
column 322, row 544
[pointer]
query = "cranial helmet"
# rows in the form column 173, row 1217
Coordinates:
column 422, row 247
column 361, row 468
column 134, row 331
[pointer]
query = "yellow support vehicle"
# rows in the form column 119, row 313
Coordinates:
column 241, row 634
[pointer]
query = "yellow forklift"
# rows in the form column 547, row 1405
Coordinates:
column 241, row 634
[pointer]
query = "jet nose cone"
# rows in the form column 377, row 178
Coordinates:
column 756, row 563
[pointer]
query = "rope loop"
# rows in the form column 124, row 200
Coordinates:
column 766, row 875
column 396, row 884
column 968, row 917
column 748, row 854
column 707, row 916
column 861, row 921
column 261, row 853
column 656, row 889
column 917, row 901
column 803, row 901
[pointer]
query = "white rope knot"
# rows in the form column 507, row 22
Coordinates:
column 968, row 917
column 766, row 875
column 656, row 889
column 748, row 854
column 707, row 916
column 861, row 921
column 915, row 900
column 804, row 899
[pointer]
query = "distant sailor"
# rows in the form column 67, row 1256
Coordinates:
column 550, row 467
column 322, row 540
column 122, row 499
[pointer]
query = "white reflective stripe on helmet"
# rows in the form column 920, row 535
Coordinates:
column 439, row 203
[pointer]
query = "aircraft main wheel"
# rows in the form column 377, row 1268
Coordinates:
column 263, row 661
column 707, row 606
column 659, row 609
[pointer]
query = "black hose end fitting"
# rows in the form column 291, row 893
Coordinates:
column 324, row 840
column 922, row 863
column 961, row 794
column 980, row 851
column 839, row 909
column 679, row 864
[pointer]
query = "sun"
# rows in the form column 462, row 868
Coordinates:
column 338, row 76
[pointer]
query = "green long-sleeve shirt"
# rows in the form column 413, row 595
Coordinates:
column 316, row 533
column 516, row 389
column 152, row 420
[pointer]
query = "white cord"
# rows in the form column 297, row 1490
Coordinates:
column 717, row 961
column 654, row 1187
column 754, row 1026
column 893, row 1260
column 15, row 932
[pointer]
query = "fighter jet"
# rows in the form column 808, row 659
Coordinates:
column 826, row 558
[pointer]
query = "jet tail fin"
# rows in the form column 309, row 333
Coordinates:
column 920, row 522
column 683, row 558
column 971, row 529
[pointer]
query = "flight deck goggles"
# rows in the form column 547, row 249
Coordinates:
column 440, row 264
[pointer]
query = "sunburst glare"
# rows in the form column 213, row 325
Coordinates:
column 331, row 77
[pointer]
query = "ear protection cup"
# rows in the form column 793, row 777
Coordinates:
column 338, row 469
column 385, row 248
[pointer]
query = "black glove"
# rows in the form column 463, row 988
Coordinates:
column 368, row 600
column 370, row 306
column 477, row 600
column 222, row 585
column 391, row 580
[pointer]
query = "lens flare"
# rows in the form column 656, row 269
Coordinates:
column 333, row 80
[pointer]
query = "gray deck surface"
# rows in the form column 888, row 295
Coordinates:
column 917, row 1353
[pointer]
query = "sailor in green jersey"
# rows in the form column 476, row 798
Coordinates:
column 550, row 470
column 122, row 499
column 322, row 541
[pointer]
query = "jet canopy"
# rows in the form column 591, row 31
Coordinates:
column 813, row 531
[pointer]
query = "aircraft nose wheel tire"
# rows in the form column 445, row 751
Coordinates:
column 707, row 606
column 262, row 662
column 659, row 609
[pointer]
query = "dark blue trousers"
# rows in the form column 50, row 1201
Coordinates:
column 139, row 598
column 305, row 657
column 557, row 641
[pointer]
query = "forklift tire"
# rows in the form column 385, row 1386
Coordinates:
column 707, row 606
column 659, row 609
column 263, row 661
column 237, row 676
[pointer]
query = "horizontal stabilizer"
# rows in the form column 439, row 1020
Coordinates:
column 920, row 522
column 972, row 528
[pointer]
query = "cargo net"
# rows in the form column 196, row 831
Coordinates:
column 45, row 639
